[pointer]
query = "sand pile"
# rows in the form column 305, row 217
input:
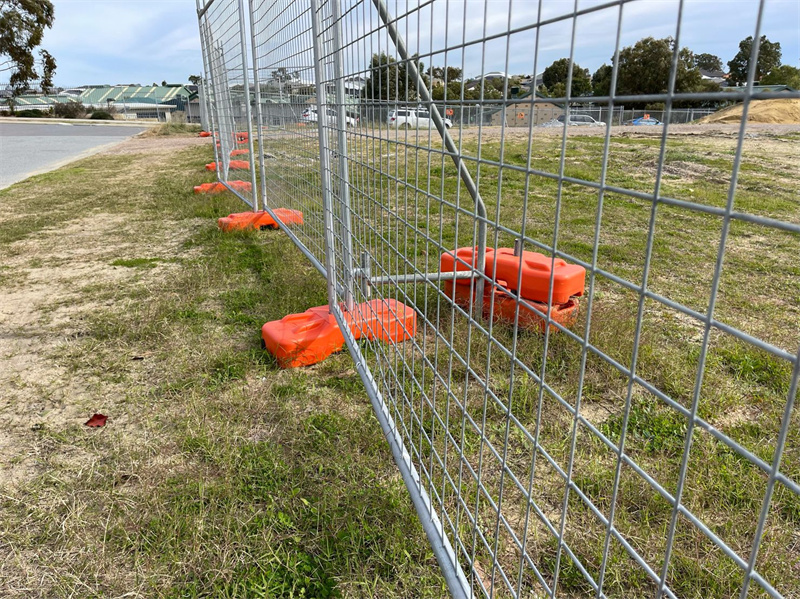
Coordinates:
column 780, row 112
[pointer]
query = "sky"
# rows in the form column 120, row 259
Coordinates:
column 146, row 41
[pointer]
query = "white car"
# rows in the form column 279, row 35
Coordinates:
column 310, row 116
column 414, row 118
column 575, row 120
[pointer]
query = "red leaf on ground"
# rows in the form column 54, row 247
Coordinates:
column 97, row 420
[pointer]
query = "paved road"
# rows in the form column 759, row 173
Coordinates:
column 31, row 148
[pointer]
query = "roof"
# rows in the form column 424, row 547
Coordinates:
column 158, row 93
column 763, row 88
column 711, row 74
column 49, row 100
column 99, row 95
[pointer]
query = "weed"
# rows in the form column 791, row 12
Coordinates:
column 136, row 262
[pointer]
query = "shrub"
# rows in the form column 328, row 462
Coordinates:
column 101, row 115
column 30, row 113
column 171, row 129
column 70, row 110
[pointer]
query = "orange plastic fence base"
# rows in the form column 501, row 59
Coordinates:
column 219, row 187
column 239, row 152
column 504, row 266
column 311, row 336
column 568, row 279
column 259, row 220
column 205, row 134
column 241, row 165
column 505, row 307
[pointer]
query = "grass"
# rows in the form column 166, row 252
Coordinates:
column 171, row 129
column 220, row 475
column 743, row 393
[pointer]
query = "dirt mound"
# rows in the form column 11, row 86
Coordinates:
column 782, row 112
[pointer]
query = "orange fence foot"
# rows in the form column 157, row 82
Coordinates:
column 239, row 152
column 531, row 313
column 311, row 336
column 259, row 220
column 242, row 165
column 243, row 186
column 205, row 134
column 533, row 287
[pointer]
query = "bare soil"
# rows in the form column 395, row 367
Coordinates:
column 45, row 298
column 776, row 111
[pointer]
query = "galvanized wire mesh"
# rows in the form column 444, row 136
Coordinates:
column 222, row 34
column 284, row 67
column 650, row 446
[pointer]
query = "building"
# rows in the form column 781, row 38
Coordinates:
column 130, row 102
column 525, row 108
column 718, row 77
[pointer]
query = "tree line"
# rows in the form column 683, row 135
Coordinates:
column 643, row 69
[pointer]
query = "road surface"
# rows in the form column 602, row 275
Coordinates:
column 31, row 148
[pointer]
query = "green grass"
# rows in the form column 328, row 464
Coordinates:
column 744, row 389
column 136, row 262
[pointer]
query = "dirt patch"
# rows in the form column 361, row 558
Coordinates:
column 690, row 171
column 34, row 319
column 776, row 111
column 60, row 266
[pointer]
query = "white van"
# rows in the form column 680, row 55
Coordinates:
column 414, row 118
column 310, row 116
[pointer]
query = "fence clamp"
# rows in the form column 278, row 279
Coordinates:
column 364, row 274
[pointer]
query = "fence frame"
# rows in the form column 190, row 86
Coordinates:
column 346, row 281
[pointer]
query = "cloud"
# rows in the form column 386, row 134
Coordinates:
column 131, row 41
column 124, row 41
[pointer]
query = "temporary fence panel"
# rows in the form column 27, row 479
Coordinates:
column 223, row 36
column 287, row 120
column 539, row 314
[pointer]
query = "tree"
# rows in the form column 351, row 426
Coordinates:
column 769, row 58
column 449, row 73
column 195, row 79
column 601, row 81
column 708, row 62
column 783, row 75
column 22, row 25
column 389, row 79
column 644, row 68
column 558, row 72
column 280, row 75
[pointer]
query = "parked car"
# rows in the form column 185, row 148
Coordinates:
column 642, row 120
column 577, row 120
column 414, row 118
column 310, row 116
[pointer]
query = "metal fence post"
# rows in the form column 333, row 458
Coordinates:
column 204, row 51
column 345, row 225
column 324, row 157
column 259, row 116
column 247, row 110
